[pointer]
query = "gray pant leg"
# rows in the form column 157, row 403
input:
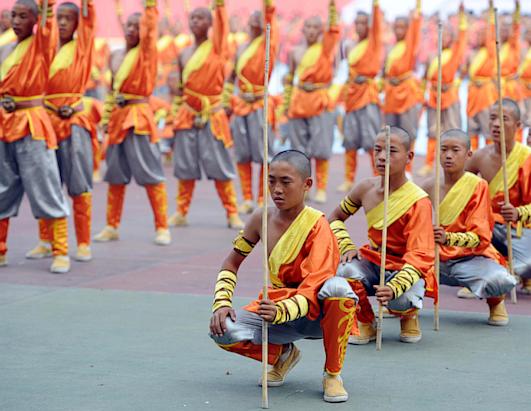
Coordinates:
column 481, row 275
column 299, row 135
column 75, row 160
column 361, row 127
column 144, row 160
column 321, row 130
column 409, row 121
column 186, row 155
column 242, row 141
column 521, row 248
column 11, row 189
column 118, row 169
column 255, row 127
column 166, row 144
column 215, row 157
column 352, row 131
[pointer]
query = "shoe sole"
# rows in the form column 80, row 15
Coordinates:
column 279, row 383
column 410, row 340
column 38, row 256
column 162, row 243
column 105, row 240
column 341, row 398
column 59, row 271
column 357, row 341
column 498, row 323
column 82, row 259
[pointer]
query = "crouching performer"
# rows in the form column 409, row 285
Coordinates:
column 305, row 300
column 410, row 243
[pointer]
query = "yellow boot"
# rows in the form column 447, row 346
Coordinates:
column 83, row 253
column 163, row 237
column 3, row 260
column 235, row 222
column 320, row 197
column 465, row 293
column 178, row 220
column 498, row 313
column 277, row 373
column 60, row 264
column 333, row 388
column 42, row 250
column 410, row 329
column 107, row 234
column 246, row 207
column 425, row 171
column 345, row 186
column 526, row 286
column 367, row 334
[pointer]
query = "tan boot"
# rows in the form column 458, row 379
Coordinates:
column 83, row 253
column 320, row 197
column 278, row 372
column 498, row 314
column 163, row 237
column 107, row 234
column 60, row 264
column 333, row 389
column 345, row 187
column 3, row 260
column 526, row 286
column 247, row 207
column 425, row 171
column 96, row 177
column 465, row 293
column 42, row 250
column 367, row 334
column 410, row 329
column 178, row 220
column 235, row 222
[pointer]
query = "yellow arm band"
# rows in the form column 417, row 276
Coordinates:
column 242, row 245
column 225, row 285
column 332, row 15
column 108, row 106
column 219, row 3
column 344, row 241
column 463, row 23
column 150, row 3
column 465, row 240
column 419, row 6
column 291, row 309
column 160, row 115
column 228, row 91
column 516, row 14
column 524, row 219
column 176, row 104
column 268, row 3
column 348, row 206
column 404, row 280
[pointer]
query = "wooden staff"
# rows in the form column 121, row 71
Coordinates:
column 503, row 148
column 44, row 13
column 438, row 172
column 384, row 234
column 265, row 400
column 85, row 8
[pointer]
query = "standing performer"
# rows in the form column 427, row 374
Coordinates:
column 7, row 35
column 248, row 116
column 363, row 119
column 451, row 58
column 402, row 90
column 167, row 56
column 468, row 258
column 481, row 87
column 311, row 126
column 487, row 162
column 525, row 81
column 100, row 59
column 202, row 132
column 76, row 134
column 132, row 131
column 27, row 139
column 410, row 244
column 305, row 300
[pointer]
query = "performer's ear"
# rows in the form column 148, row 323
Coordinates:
column 410, row 156
column 308, row 183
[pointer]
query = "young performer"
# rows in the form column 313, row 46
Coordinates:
column 202, row 132
column 451, row 58
column 305, row 300
column 311, row 126
column 100, row 60
column 27, row 139
column 525, row 81
column 363, row 117
column 487, row 162
column 131, row 127
column 402, row 90
column 76, row 134
column 7, row 35
column 410, row 244
column 468, row 258
column 247, row 106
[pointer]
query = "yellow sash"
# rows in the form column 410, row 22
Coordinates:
column 445, row 58
column 504, row 52
column 7, row 36
column 395, row 54
column 64, row 58
column 99, row 43
column 125, row 68
column 526, row 63
column 15, row 56
column 358, row 52
column 197, row 60
column 400, row 201
column 477, row 61
column 249, row 52
column 457, row 198
column 164, row 42
column 516, row 159
column 311, row 55
column 291, row 242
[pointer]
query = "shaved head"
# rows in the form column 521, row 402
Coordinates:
column 512, row 106
column 70, row 6
column 297, row 159
column 314, row 20
column 203, row 12
column 31, row 5
column 402, row 134
column 457, row 134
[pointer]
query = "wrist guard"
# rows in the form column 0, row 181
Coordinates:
column 225, row 285
column 291, row 309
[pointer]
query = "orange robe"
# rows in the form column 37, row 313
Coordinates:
column 139, row 84
column 167, row 52
column 250, row 74
column 310, row 104
column 316, row 262
column 365, row 60
column 400, row 65
column 69, row 74
column 100, row 58
column 161, row 110
column 510, row 53
column 27, row 79
column 203, row 85
column 525, row 75
column 409, row 241
column 476, row 217
column 451, row 60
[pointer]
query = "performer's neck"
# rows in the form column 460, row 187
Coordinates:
column 509, row 145
column 200, row 39
column 395, row 181
column 291, row 213
column 450, row 178
column 63, row 42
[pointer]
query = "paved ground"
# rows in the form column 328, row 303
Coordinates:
column 128, row 331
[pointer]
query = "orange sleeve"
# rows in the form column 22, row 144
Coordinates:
column 479, row 217
column 491, row 36
column 220, row 30
column 85, row 35
column 149, row 33
column 375, row 36
column 47, row 37
column 330, row 40
column 458, row 52
column 270, row 18
column 413, row 40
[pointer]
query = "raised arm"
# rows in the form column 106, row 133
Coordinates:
column 413, row 36
column 220, row 29
column 459, row 47
column 149, row 30
column 375, row 33
column 46, row 37
column 331, row 35
column 514, row 40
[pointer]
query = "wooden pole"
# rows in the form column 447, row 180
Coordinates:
column 44, row 13
column 503, row 150
column 85, row 8
column 379, row 325
column 265, row 399
column 438, row 173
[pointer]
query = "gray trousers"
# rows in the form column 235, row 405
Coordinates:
column 450, row 118
column 134, row 157
column 369, row 275
column 481, row 275
column 197, row 148
column 248, row 325
column 527, row 113
column 314, row 136
column 408, row 120
column 361, row 126
column 521, row 248
column 28, row 166
column 479, row 124
column 247, row 132
column 75, row 160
